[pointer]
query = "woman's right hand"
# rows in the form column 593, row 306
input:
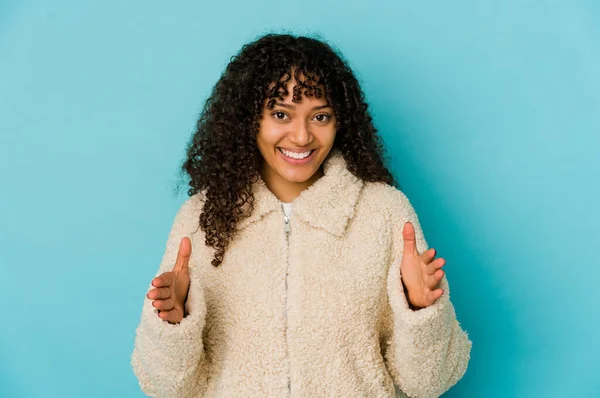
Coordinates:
column 171, row 288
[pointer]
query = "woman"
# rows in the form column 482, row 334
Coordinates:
column 296, row 267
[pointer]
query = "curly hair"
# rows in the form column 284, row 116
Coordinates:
column 223, row 158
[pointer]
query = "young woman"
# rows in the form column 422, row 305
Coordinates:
column 296, row 267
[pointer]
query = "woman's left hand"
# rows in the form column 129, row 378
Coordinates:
column 420, row 273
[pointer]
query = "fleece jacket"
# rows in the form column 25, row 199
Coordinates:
column 314, row 308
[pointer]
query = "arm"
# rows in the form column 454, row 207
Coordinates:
column 425, row 350
column 168, row 359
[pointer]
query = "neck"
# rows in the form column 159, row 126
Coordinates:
column 287, row 191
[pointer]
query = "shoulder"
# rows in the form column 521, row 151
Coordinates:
column 398, row 210
column 387, row 199
column 188, row 214
column 194, row 203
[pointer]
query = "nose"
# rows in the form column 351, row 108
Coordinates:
column 301, row 136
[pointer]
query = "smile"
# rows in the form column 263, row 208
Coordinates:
column 296, row 158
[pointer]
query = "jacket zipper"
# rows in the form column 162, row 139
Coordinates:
column 287, row 231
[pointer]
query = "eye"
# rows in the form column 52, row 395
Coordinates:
column 279, row 115
column 324, row 117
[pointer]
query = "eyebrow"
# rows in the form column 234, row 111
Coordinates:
column 289, row 106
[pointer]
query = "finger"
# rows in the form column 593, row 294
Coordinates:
column 434, row 295
column 159, row 293
column 428, row 255
column 169, row 316
column 436, row 264
column 164, row 305
column 408, row 234
column 163, row 315
column 183, row 255
column 163, row 280
column 433, row 280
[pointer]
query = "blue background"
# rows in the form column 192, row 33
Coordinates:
column 489, row 109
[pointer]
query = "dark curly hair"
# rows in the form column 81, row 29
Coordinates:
column 223, row 158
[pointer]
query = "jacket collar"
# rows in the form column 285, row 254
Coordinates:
column 328, row 204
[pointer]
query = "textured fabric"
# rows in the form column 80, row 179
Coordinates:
column 320, row 312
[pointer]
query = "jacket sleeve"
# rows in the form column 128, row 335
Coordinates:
column 168, row 359
column 425, row 350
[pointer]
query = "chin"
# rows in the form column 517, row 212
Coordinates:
column 296, row 175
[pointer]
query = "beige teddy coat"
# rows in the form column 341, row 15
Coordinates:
column 319, row 312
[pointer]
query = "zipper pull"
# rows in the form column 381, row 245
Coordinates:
column 287, row 228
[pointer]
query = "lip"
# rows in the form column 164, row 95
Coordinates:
column 297, row 161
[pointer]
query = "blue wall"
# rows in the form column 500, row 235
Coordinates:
column 491, row 112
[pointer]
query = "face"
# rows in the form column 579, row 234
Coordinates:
column 291, row 131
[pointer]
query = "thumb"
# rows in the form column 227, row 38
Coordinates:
column 183, row 255
column 408, row 234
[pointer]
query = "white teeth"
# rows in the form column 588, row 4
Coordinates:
column 294, row 154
